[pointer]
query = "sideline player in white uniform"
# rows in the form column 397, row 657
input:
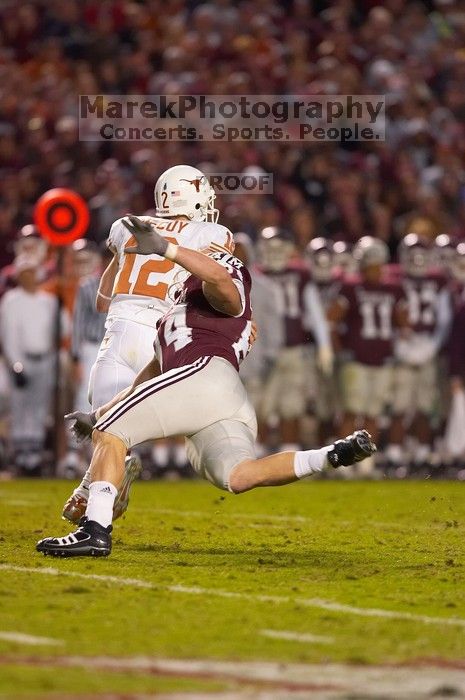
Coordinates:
column 27, row 328
column 138, row 289
column 200, row 343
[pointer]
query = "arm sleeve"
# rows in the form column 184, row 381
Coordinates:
column 274, row 334
column 444, row 318
column 10, row 332
column 315, row 316
column 268, row 313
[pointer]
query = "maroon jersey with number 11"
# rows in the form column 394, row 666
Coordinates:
column 370, row 319
column 192, row 328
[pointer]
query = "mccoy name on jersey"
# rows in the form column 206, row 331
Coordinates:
column 192, row 328
column 142, row 286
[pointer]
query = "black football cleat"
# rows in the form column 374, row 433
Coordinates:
column 90, row 540
column 351, row 449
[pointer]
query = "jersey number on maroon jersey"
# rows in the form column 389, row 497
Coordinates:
column 242, row 345
column 377, row 320
column 290, row 296
column 422, row 305
column 141, row 286
column 176, row 330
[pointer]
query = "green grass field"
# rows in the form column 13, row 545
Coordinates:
column 301, row 574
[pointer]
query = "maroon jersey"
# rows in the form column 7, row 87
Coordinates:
column 456, row 349
column 369, row 336
column 422, row 297
column 457, row 293
column 192, row 328
column 291, row 283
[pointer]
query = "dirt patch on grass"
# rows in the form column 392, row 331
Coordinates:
column 276, row 681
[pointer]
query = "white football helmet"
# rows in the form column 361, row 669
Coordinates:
column 415, row 254
column 185, row 191
column 371, row 251
column 320, row 254
column 274, row 248
column 457, row 265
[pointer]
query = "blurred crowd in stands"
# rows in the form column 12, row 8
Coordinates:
column 411, row 183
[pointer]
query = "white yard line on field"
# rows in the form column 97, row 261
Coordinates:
column 21, row 638
column 196, row 590
column 296, row 636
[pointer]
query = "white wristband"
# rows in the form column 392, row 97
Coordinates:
column 171, row 251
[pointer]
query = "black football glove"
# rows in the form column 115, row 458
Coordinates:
column 83, row 424
column 19, row 376
column 149, row 242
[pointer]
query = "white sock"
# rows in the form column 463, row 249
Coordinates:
column 310, row 462
column 422, row 453
column 394, row 453
column 161, row 455
column 180, row 457
column 83, row 488
column 102, row 495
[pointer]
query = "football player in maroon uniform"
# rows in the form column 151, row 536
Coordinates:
column 416, row 390
column 324, row 393
column 285, row 391
column 370, row 309
column 457, row 272
column 201, row 341
column 268, row 314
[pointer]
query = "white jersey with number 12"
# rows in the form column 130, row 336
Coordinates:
column 144, row 284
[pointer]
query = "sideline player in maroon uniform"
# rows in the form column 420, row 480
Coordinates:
column 371, row 308
column 416, row 390
column 325, row 390
column 208, row 328
column 285, row 391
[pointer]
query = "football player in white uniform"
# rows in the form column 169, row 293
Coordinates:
column 137, row 291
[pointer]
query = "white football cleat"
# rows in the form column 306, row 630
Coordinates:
column 132, row 470
column 75, row 506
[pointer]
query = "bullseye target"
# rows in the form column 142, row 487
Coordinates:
column 62, row 216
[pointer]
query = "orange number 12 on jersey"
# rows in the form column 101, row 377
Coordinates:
column 141, row 286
